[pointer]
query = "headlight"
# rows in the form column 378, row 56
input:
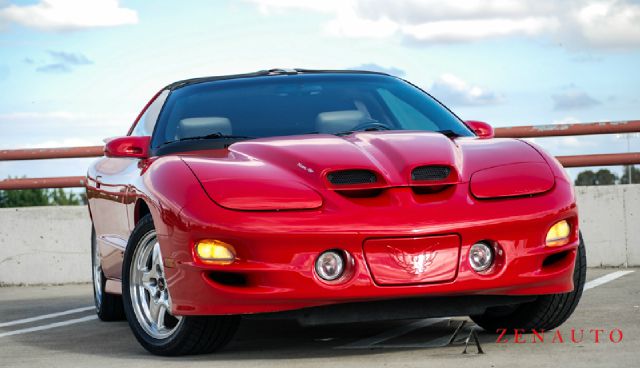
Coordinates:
column 259, row 194
column 513, row 180
column 558, row 234
column 330, row 265
column 215, row 251
column 480, row 257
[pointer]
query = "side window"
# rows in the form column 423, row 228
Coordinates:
column 410, row 118
column 148, row 120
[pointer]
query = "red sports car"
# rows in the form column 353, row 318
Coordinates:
column 326, row 196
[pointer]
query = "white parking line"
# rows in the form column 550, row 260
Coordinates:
column 49, row 326
column 606, row 278
column 369, row 342
column 45, row 316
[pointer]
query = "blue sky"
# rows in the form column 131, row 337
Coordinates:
column 74, row 72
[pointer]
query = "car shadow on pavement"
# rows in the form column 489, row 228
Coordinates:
column 255, row 339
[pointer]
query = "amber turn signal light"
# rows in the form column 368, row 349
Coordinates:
column 558, row 234
column 215, row 251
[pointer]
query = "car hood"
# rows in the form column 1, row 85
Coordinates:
column 263, row 173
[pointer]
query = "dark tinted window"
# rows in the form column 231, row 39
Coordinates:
column 300, row 104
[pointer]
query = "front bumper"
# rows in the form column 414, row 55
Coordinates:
column 276, row 253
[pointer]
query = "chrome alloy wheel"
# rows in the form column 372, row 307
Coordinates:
column 149, row 292
column 97, row 275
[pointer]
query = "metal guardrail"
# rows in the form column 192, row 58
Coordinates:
column 38, row 183
column 558, row 130
column 48, row 153
column 530, row 131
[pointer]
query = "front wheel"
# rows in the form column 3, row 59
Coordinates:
column 545, row 313
column 147, row 303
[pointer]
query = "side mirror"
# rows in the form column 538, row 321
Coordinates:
column 482, row 129
column 133, row 147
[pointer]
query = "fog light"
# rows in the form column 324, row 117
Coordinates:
column 330, row 265
column 558, row 234
column 480, row 257
column 215, row 251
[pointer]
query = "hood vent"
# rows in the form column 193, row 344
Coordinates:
column 352, row 177
column 430, row 173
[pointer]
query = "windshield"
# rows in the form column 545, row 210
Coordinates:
column 300, row 104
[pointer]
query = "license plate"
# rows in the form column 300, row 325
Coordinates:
column 399, row 261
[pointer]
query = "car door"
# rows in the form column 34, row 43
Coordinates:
column 107, row 194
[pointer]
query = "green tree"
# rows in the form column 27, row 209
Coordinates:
column 24, row 198
column 586, row 177
column 59, row 197
column 601, row 177
column 635, row 175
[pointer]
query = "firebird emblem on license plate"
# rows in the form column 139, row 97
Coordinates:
column 415, row 264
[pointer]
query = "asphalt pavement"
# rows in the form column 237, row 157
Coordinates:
column 55, row 326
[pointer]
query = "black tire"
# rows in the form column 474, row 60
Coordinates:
column 545, row 313
column 108, row 306
column 194, row 335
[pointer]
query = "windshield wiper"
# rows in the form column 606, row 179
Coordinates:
column 368, row 129
column 210, row 136
column 215, row 135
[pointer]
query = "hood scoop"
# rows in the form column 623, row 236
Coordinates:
column 430, row 173
column 352, row 177
column 355, row 182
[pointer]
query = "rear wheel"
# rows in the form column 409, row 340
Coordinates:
column 545, row 313
column 147, row 303
column 108, row 306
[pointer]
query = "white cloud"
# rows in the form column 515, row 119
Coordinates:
column 452, row 90
column 575, row 23
column 573, row 99
column 68, row 15
column 350, row 24
column 379, row 68
column 610, row 23
column 477, row 29
column 271, row 6
column 62, row 62
column 421, row 11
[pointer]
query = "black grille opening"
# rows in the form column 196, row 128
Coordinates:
column 351, row 177
column 229, row 278
column 555, row 258
column 430, row 173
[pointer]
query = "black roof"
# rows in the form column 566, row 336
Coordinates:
column 262, row 73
